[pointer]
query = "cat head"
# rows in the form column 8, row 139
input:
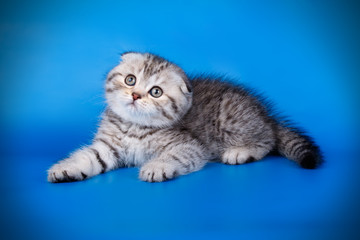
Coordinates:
column 148, row 90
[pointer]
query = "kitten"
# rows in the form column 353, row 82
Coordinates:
column 169, row 125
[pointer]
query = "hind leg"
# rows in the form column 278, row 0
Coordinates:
column 241, row 155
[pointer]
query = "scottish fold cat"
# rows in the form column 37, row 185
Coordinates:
column 169, row 124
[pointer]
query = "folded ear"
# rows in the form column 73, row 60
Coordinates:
column 130, row 56
column 127, row 52
column 186, row 87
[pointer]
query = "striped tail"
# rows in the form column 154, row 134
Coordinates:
column 296, row 146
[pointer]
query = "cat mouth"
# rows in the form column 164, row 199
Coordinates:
column 132, row 105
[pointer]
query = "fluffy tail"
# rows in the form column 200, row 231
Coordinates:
column 296, row 146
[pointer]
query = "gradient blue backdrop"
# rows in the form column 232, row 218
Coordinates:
column 54, row 56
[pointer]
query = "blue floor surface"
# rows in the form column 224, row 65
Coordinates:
column 269, row 199
column 54, row 56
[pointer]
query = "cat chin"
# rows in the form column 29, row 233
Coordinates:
column 133, row 114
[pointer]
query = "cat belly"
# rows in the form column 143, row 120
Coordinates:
column 137, row 151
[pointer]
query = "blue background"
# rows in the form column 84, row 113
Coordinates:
column 54, row 55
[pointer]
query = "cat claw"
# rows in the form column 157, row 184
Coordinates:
column 157, row 172
column 59, row 173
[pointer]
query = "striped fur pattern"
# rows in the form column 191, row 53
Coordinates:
column 169, row 125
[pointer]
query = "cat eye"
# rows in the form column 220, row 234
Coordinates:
column 156, row 92
column 130, row 80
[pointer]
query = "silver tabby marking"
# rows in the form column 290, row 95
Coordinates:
column 169, row 125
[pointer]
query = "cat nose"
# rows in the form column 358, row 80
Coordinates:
column 136, row 96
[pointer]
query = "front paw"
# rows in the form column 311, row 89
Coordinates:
column 65, row 171
column 157, row 172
